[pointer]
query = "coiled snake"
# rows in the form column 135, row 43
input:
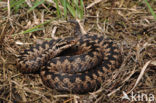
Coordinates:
column 76, row 65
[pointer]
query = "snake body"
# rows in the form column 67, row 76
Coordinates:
column 72, row 65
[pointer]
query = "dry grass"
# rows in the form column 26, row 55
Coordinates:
column 128, row 22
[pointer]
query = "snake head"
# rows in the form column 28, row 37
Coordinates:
column 65, row 43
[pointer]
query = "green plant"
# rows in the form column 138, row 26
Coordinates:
column 35, row 4
column 16, row 5
column 74, row 7
column 150, row 9
column 36, row 28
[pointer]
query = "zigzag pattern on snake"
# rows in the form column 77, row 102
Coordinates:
column 76, row 65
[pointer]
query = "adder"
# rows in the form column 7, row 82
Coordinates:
column 72, row 64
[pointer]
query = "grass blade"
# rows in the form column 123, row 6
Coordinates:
column 32, row 30
column 82, row 9
column 36, row 28
column 150, row 9
column 16, row 5
column 37, row 3
column 58, row 9
column 71, row 9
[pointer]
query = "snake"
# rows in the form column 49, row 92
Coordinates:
column 72, row 64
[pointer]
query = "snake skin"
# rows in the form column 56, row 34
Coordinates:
column 72, row 65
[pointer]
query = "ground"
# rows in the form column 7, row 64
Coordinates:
column 130, row 23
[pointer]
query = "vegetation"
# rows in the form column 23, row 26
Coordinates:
column 131, row 23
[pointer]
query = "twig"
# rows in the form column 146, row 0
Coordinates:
column 140, row 76
column 94, row 3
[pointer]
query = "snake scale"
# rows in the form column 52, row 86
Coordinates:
column 76, row 65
